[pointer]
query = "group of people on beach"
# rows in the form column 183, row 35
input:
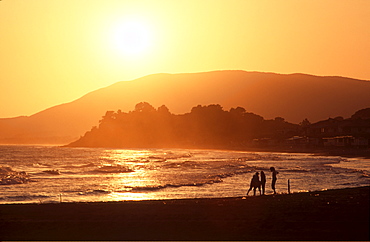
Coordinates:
column 257, row 183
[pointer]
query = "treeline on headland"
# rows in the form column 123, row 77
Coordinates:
column 204, row 127
column 212, row 127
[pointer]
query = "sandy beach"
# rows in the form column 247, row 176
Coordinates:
column 326, row 215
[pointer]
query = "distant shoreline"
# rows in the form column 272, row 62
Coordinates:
column 344, row 152
column 340, row 214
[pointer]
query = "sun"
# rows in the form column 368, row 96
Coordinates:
column 132, row 38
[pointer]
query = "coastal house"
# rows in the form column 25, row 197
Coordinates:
column 345, row 141
column 297, row 141
column 340, row 127
column 339, row 132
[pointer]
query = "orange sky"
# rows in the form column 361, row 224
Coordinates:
column 55, row 51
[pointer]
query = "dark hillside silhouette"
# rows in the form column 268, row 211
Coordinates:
column 294, row 97
column 204, row 127
column 362, row 114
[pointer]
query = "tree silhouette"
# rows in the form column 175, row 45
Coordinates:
column 144, row 107
column 204, row 127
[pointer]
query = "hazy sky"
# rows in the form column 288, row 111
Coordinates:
column 55, row 51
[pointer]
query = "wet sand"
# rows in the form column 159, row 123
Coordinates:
column 329, row 215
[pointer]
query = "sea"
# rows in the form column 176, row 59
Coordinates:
column 54, row 174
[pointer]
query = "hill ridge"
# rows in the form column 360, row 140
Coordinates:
column 292, row 96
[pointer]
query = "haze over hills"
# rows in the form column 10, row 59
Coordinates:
column 293, row 97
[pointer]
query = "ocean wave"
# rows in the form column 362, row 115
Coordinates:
column 113, row 169
column 94, row 192
column 250, row 158
column 79, row 166
column 40, row 165
column 170, row 156
column 10, row 177
column 364, row 174
column 183, row 164
column 159, row 187
column 298, row 170
column 52, row 172
column 26, row 197
column 262, row 157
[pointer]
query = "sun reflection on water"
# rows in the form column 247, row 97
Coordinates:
column 140, row 174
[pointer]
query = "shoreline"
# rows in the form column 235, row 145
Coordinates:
column 340, row 214
column 347, row 152
column 344, row 152
column 337, row 151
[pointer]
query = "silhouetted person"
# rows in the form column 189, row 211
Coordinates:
column 274, row 178
column 255, row 183
column 263, row 182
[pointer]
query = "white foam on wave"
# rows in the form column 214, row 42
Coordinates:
column 9, row 177
column 113, row 169
column 116, row 174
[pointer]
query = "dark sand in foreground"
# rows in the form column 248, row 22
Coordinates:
column 329, row 215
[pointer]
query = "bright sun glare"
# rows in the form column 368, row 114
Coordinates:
column 132, row 38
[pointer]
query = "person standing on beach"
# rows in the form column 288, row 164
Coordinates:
column 274, row 178
column 255, row 183
column 263, row 182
